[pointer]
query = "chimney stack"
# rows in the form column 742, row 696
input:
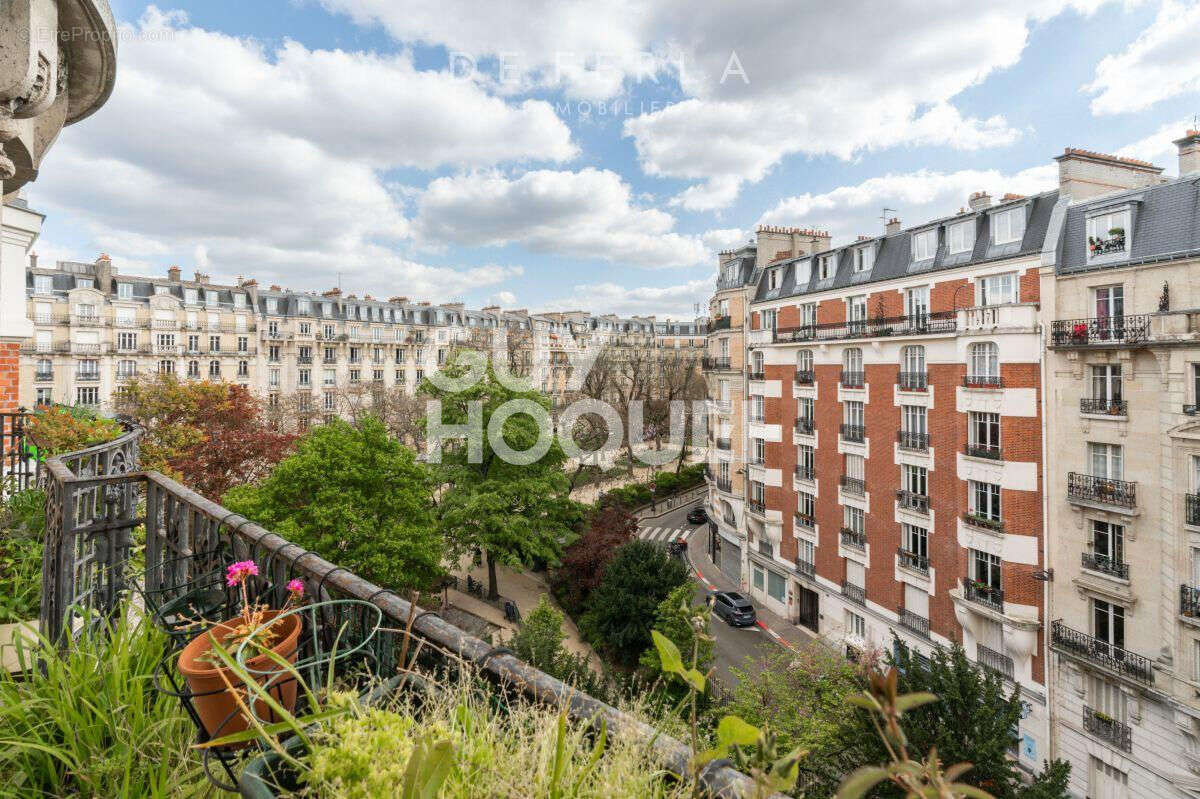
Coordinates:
column 979, row 200
column 1083, row 174
column 173, row 274
column 1189, row 153
column 398, row 300
column 201, row 278
column 892, row 226
column 333, row 292
column 33, row 260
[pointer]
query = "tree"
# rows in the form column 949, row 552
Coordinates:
column 357, row 497
column 584, row 561
column 679, row 620
column 517, row 514
column 57, row 429
column 621, row 611
column 212, row 435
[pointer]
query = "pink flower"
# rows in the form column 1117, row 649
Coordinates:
column 238, row 572
column 295, row 588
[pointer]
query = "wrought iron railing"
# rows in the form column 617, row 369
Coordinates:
column 911, row 560
column 757, row 507
column 806, row 567
column 1086, row 488
column 805, row 377
column 720, row 323
column 805, row 471
column 853, row 539
column 853, row 485
column 989, row 451
column 984, row 594
column 983, row 381
column 850, row 379
column 1189, row 601
column 915, row 441
column 723, row 443
column 996, row 661
column 1122, row 661
column 805, row 520
column 1104, row 564
column 18, row 460
column 803, row 425
column 1103, row 405
column 753, row 375
column 986, row 522
column 1107, row 728
column 41, row 376
column 913, row 381
column 912, row 621
column 880, row 326
column 724, row 485
column 855, row 593
column 911, row 500
column 1191, row 509
column 1111, row 331
column 853, row 432
column 717, row 363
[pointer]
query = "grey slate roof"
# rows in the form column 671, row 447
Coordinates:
column 893, row 253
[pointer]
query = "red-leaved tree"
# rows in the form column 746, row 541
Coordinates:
column 583, row 562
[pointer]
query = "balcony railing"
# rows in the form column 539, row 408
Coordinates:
column 918, row 442
column 1081, row 645
column 803, row 425
column 996, row 661
column 724, row 485
column 984, row 594
column 1105, row 331
column 805, row 471
column 720, row 323
column 1189, row 601
column 805, row 567
column 852, row 379
column 989, row 451
column 1191, row 509
column 87, row 377
column 715, row 363
column 164, row 324
column 912, row 621
column 87, row 349
column 804, row 520
column 853, row 485
column 724, row 443
column 42, row 376
column 805, row 377
column 855, row 593
column 914, row 325
column 853, row 539
column 758, row 508
column 1105, row 565
column 986, row 522
column 1106, row 728
column 1086, row 488
column 911, row 560
column 1103, row 405
column 853, row 432
column 913, row 381
column 983, row 381
column 753, row 375
column 910, row 500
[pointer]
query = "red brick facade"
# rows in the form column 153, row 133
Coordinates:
column 10, row 373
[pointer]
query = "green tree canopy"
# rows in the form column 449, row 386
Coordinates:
column 676, row 618
column 358, row 498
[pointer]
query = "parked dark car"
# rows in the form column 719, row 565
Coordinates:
column 697, row 515
column 733, row 608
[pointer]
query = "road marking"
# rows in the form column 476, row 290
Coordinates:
column 778, row 638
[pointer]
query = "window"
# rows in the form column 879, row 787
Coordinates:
column 210, row 298
column 303, row 305
column 757, row 412
column 914, row 479
column 984, row 568
column 924, row 245
column 856, row 312
column 804, row 360
column 915, row 541
column 127, row 341
column 243, row 369
column 43, row 397
column 239, row 300
column 913, row 360
column 760, row 451
column 306, row 328
column 854, row 519
column 214, row 343
column 42, row 340
column 854, row 413
column 776, row 586
column 329, row 377
column 126, row 317
column 825, row 266
column 165, row 341
column 166, row 367
column 805, row 459
column 984, row 361
column 864, row 258
column 272, row 305
column 1108, row 542
column 304, row 377
column 191, row 296
column 805, row 408
column 852, row 359
column 1106, row 384
column 997, row 289
column 240, row 323
column 960, row 237
column 273, row 352
column 193, row 344
column 193, row 369
column 916, row 304
column 87, row 395
column 330, row 400
column 914, row 419
column 1106, row 460
column 856, row 467
column 243, row 344
column 756, row 361
column 43, row 284
column 806, row 504
column 983, row 433
column 214, row 369
column 1110, row 306
column 85, row 283
column 160, row 290
column 984, row 500
column 759, row 578
column 1108, row 623
column 1107, row 234
column 856, row 626
column 1008, row 226
column 769, row 318
column 774, row 277
column 1105, row 781
column 125, row 291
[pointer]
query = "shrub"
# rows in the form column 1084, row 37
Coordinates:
column 676, row 618
column 22, row 529
column 58, row 429
column 583, row 561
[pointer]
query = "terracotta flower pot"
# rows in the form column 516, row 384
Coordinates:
column 214, row 702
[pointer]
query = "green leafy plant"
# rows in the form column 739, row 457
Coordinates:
column 22, row 528
column 58, row 429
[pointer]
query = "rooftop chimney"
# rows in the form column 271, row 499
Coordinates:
column 333, row 292
column 201, row 277
column 892, row 226
column 491, row 309
column 103, row 257
column 1189, row 153
column 979, row 200
column 247, row 283
column 1083, row 173
column 774, row 242
column 173, row 274
column 398, row 300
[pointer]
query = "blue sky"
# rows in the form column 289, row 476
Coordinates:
column 313, row 141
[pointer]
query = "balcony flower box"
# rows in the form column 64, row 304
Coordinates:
column 1079, row 333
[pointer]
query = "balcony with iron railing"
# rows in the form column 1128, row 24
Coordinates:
column 917, row 442
column 716, row 363
column 913, row 622
column 911, row 500
column 805, row 377
column 87, row 320
column 720, row 323
column 912, row 381
column 855, row 593
column 1189, row 601
column 911, row 560
column 1191, row 509
column 803, row 425
column 724, row 486
column 979, row 450
column 1106, row 728
column 998, row 662
column 804, row 520
column 87, row 377
column 985, row 522
column 924, row 324
column 1101, row 653
column 164, row 324
column 1103, row 490
column 1104, row 564
column 983, row 594
column 42, row 376
column 757, row 508
column 852, row 379
column 805, row 567
column 723, row 444
column 853, row 539
column 1103, row 406
column 804, row 471
column 853, row 485
column 983, row 381
column 1130, row 330
column 855, row 433
column 751, row 374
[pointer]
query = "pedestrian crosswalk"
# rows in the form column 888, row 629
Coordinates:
column 664, row 535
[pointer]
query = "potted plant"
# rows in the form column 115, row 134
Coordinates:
column 264, row 634
column 1079, row 332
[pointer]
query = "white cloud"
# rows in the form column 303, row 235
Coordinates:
column 271, row 161
column 674, row 302
column 724, row 238
column 1161, row 63
column 505, row 299
column 1159, row 147
column 583, row 214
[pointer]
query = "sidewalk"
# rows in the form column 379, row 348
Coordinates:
column 783, row 631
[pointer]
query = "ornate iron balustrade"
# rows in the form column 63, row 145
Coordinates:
column 805, row 377
column 1114, row 658
column 87, row 377
column 983, row 594
column 983, row 381
column 92, row 507
column 853, row 432
column 804, row 520
column 1100, row 245
column 803, row 425
column 752, row 375
column 853, row 539
column 986, row 522
column 912, row 621
column 805, row 567
column 989, row 451
column 855, row 593
column 1189, row 601
column 1191, row 509
column 757, row 507
column 1102, row 405
column 913, row 381
column 1108, row 729
column 852, row 379
column 853, row 485
column 1086, row 488
column 41, row 376
column 881, row 326
column 716, row 363
column 911, row 560
column 805, row 472
column 724, row 443
column 1104, row 565
column 724, row 485
column 911, row 500
column 1105, row 331
column 720, row 323
column 996, row 661
column 918, row 442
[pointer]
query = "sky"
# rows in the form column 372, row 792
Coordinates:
column 556, row 155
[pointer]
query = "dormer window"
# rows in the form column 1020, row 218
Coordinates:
column 162, row 289
column 210, row 298
column 125, row 291
column 924, row 245
column 272, row 305
column 1008, row 226
column 774, row 278
column 85, row 283
column 43, row 284
column 303, row 306
column 239, row 300
column 191, row 296
column 864, row 258
column 1108, row 234
column 825, row 266
column 960, row 237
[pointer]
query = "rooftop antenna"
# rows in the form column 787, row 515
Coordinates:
column 884, row 218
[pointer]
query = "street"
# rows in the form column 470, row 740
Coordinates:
column 733, row 644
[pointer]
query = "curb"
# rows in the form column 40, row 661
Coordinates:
column 776, row 637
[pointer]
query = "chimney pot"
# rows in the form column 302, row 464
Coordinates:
column 1189, row 153
column 1083, row 173
column 979, row 200
column 892, row 226
column 173, row 274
